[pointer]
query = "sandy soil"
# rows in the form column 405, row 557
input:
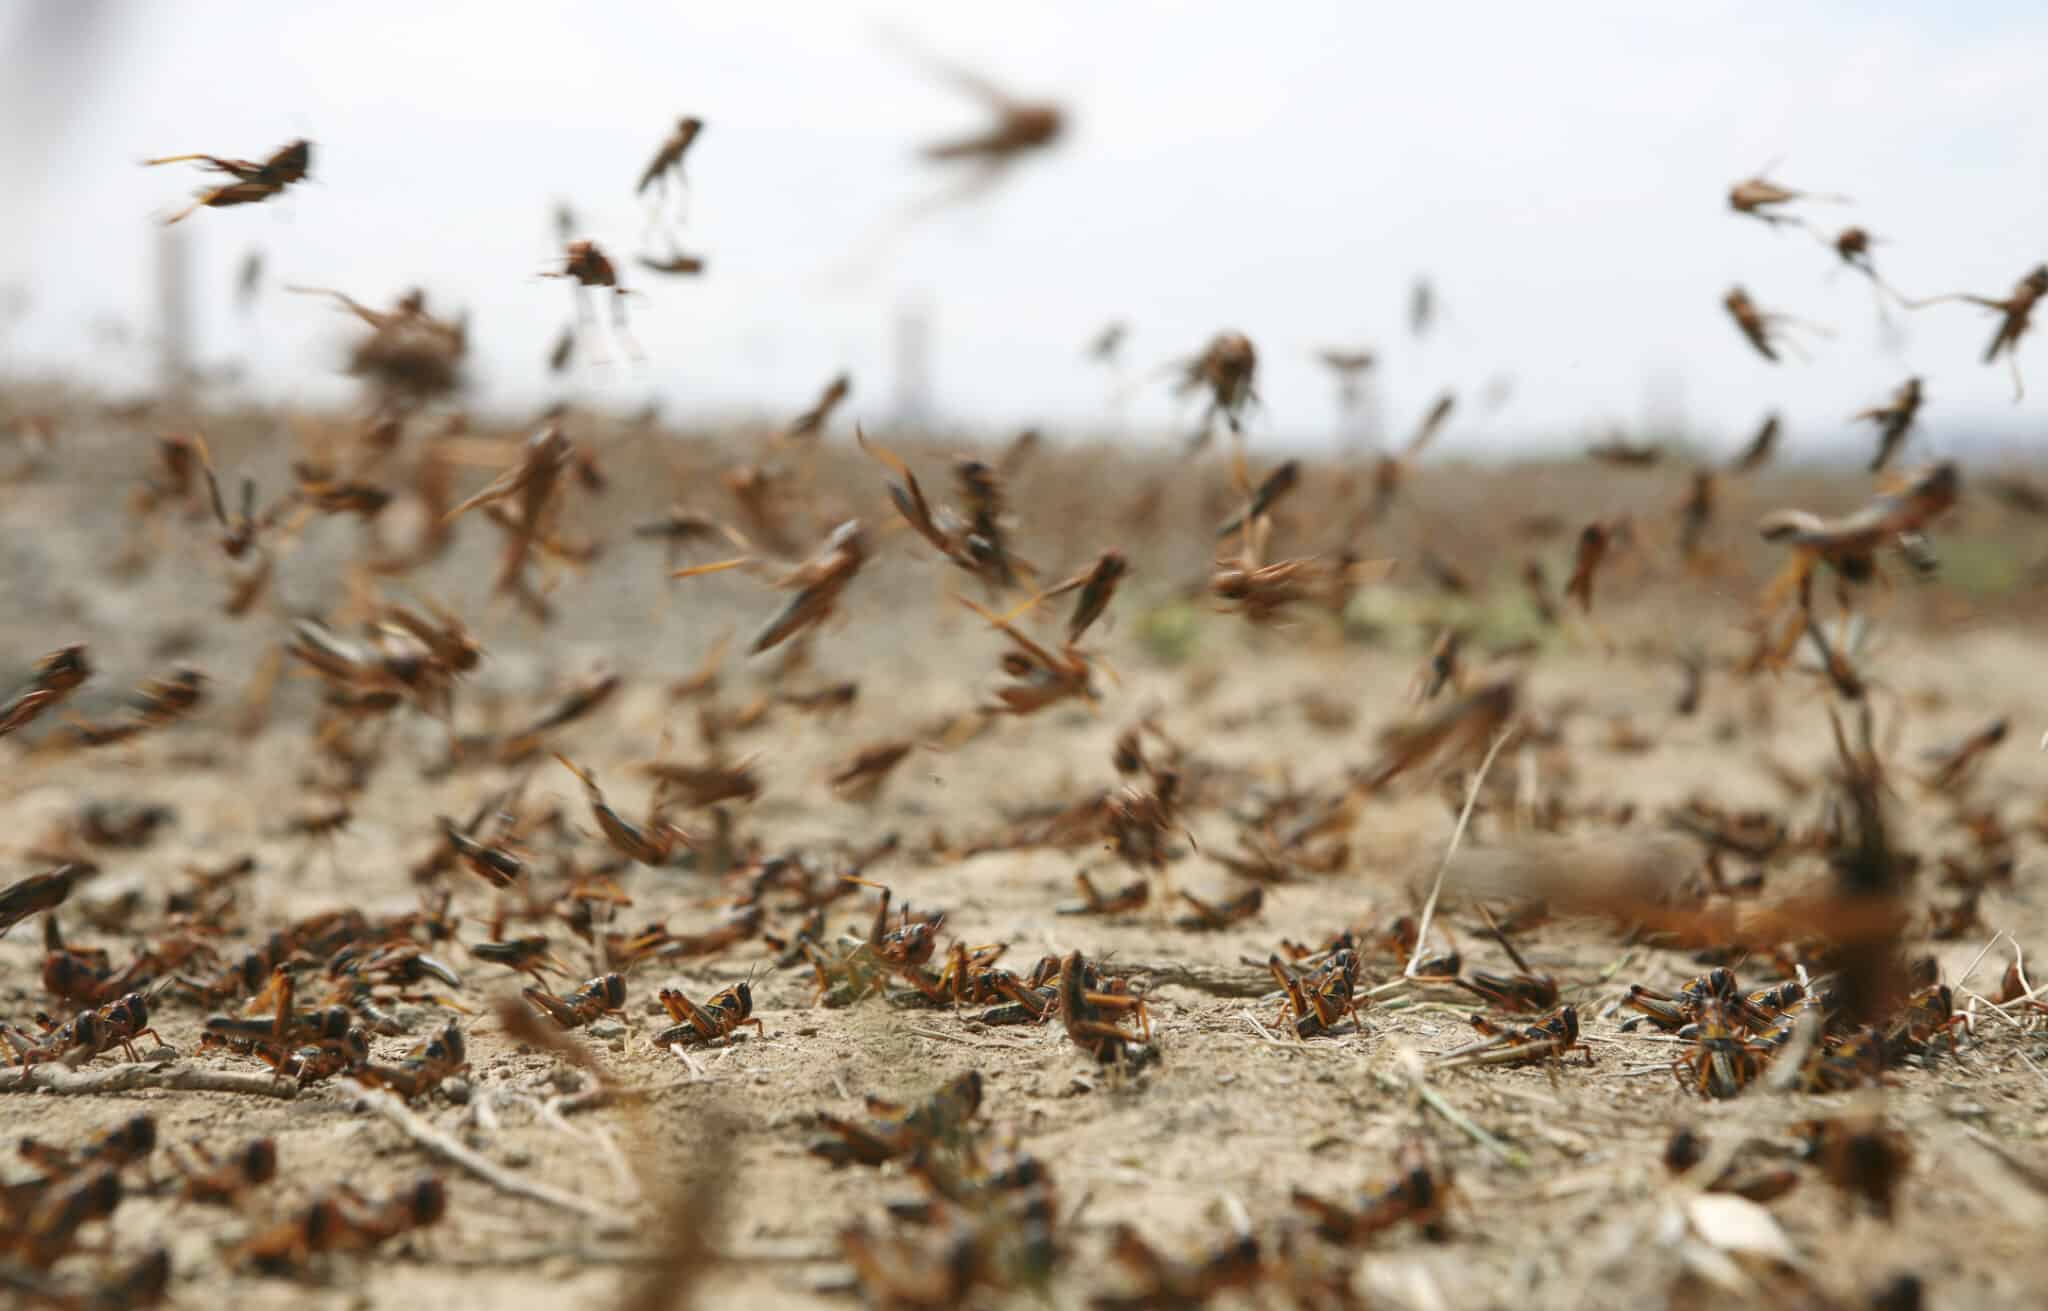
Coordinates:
column 1564, row 1210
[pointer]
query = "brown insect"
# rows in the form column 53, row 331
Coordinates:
column 1322, row 999
column 117, row 1024
column 1696, row 513
column 1759, row 198
column 2018, row 312
column 1275, row 485
column 1625, row 454
column 1593, row 540
column 811, row 423
column 442, row 1056
column 1159, row 1281
column 1760, row 327
column 1210, row 917
column 677, row 264
column 1263, row 592
column 253, row 181
column 651, row 844
column 1693, row 664
column 1758, row 452
column 130, row 1141
column 1537, row 583
column 1090, row 1018
column 1021, row 127
column 1124, row 900
column 214, row 1181
column 49, row 1228
column 603, row 995
column 1419, row 1193
column 275, row 1039
column 1851, row 544
column 1894, row 420
column 157, row 703
column 1686, row 1149
column 588, row 266
column 581, row 700
column 896, row 1130
column 494, row 864
column 533, row 483
column 1864, row 1158
column 668, row 158
column 817, row 582
column 1525, row 990
column 728, row 1011
column 1453, row 730
column 1546, row 1040
column 51, row 682
column 1720, row 1063
column 1226, row 369
column 1955, row 765
column 1096, row 587
column 1039, row 678
column 38, row 892
column 1392, row 469
column 528, row 955
column 713, row 782
column 976, row 543
column 410, row 356
column 860, row 777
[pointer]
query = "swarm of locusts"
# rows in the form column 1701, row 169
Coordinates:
column 1025, row 833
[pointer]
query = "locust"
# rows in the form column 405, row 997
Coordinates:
column 1095, row 586
column 811, row 423
column 1419, row 1193
column 1021, row 128
column 2017, row 314
column 976, row 543
column 1392, row 469
column 667, row 163
column 1226, row 369
column 601, row 995
column 1593, row 542
column 1894, row 420
column 1761, row 328
column 1760, row 198
column 527, row 955
column 1131, row 897
column 1457, row 728
column 859, row 777
column 37, row 893
column 817, row 582
column 1321, row 1000
column 1038, row 677
column 677, row 264
column 727, row 1011
column 1850, row 545
column 254, row 181
column 586, row 264
column 51, row 682
column 209, row 1180
column 1758, row 451
column 651, row 844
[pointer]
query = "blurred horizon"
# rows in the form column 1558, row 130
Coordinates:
column 1559, row 178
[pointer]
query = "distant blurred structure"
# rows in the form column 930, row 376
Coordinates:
column 912, row 406
column 174, row 313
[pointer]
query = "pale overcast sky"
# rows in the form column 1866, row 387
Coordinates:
column 1558, row 170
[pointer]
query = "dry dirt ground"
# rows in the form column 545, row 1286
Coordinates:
column 1565, row 1202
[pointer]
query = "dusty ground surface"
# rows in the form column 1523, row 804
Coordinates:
column 1563, row 1205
